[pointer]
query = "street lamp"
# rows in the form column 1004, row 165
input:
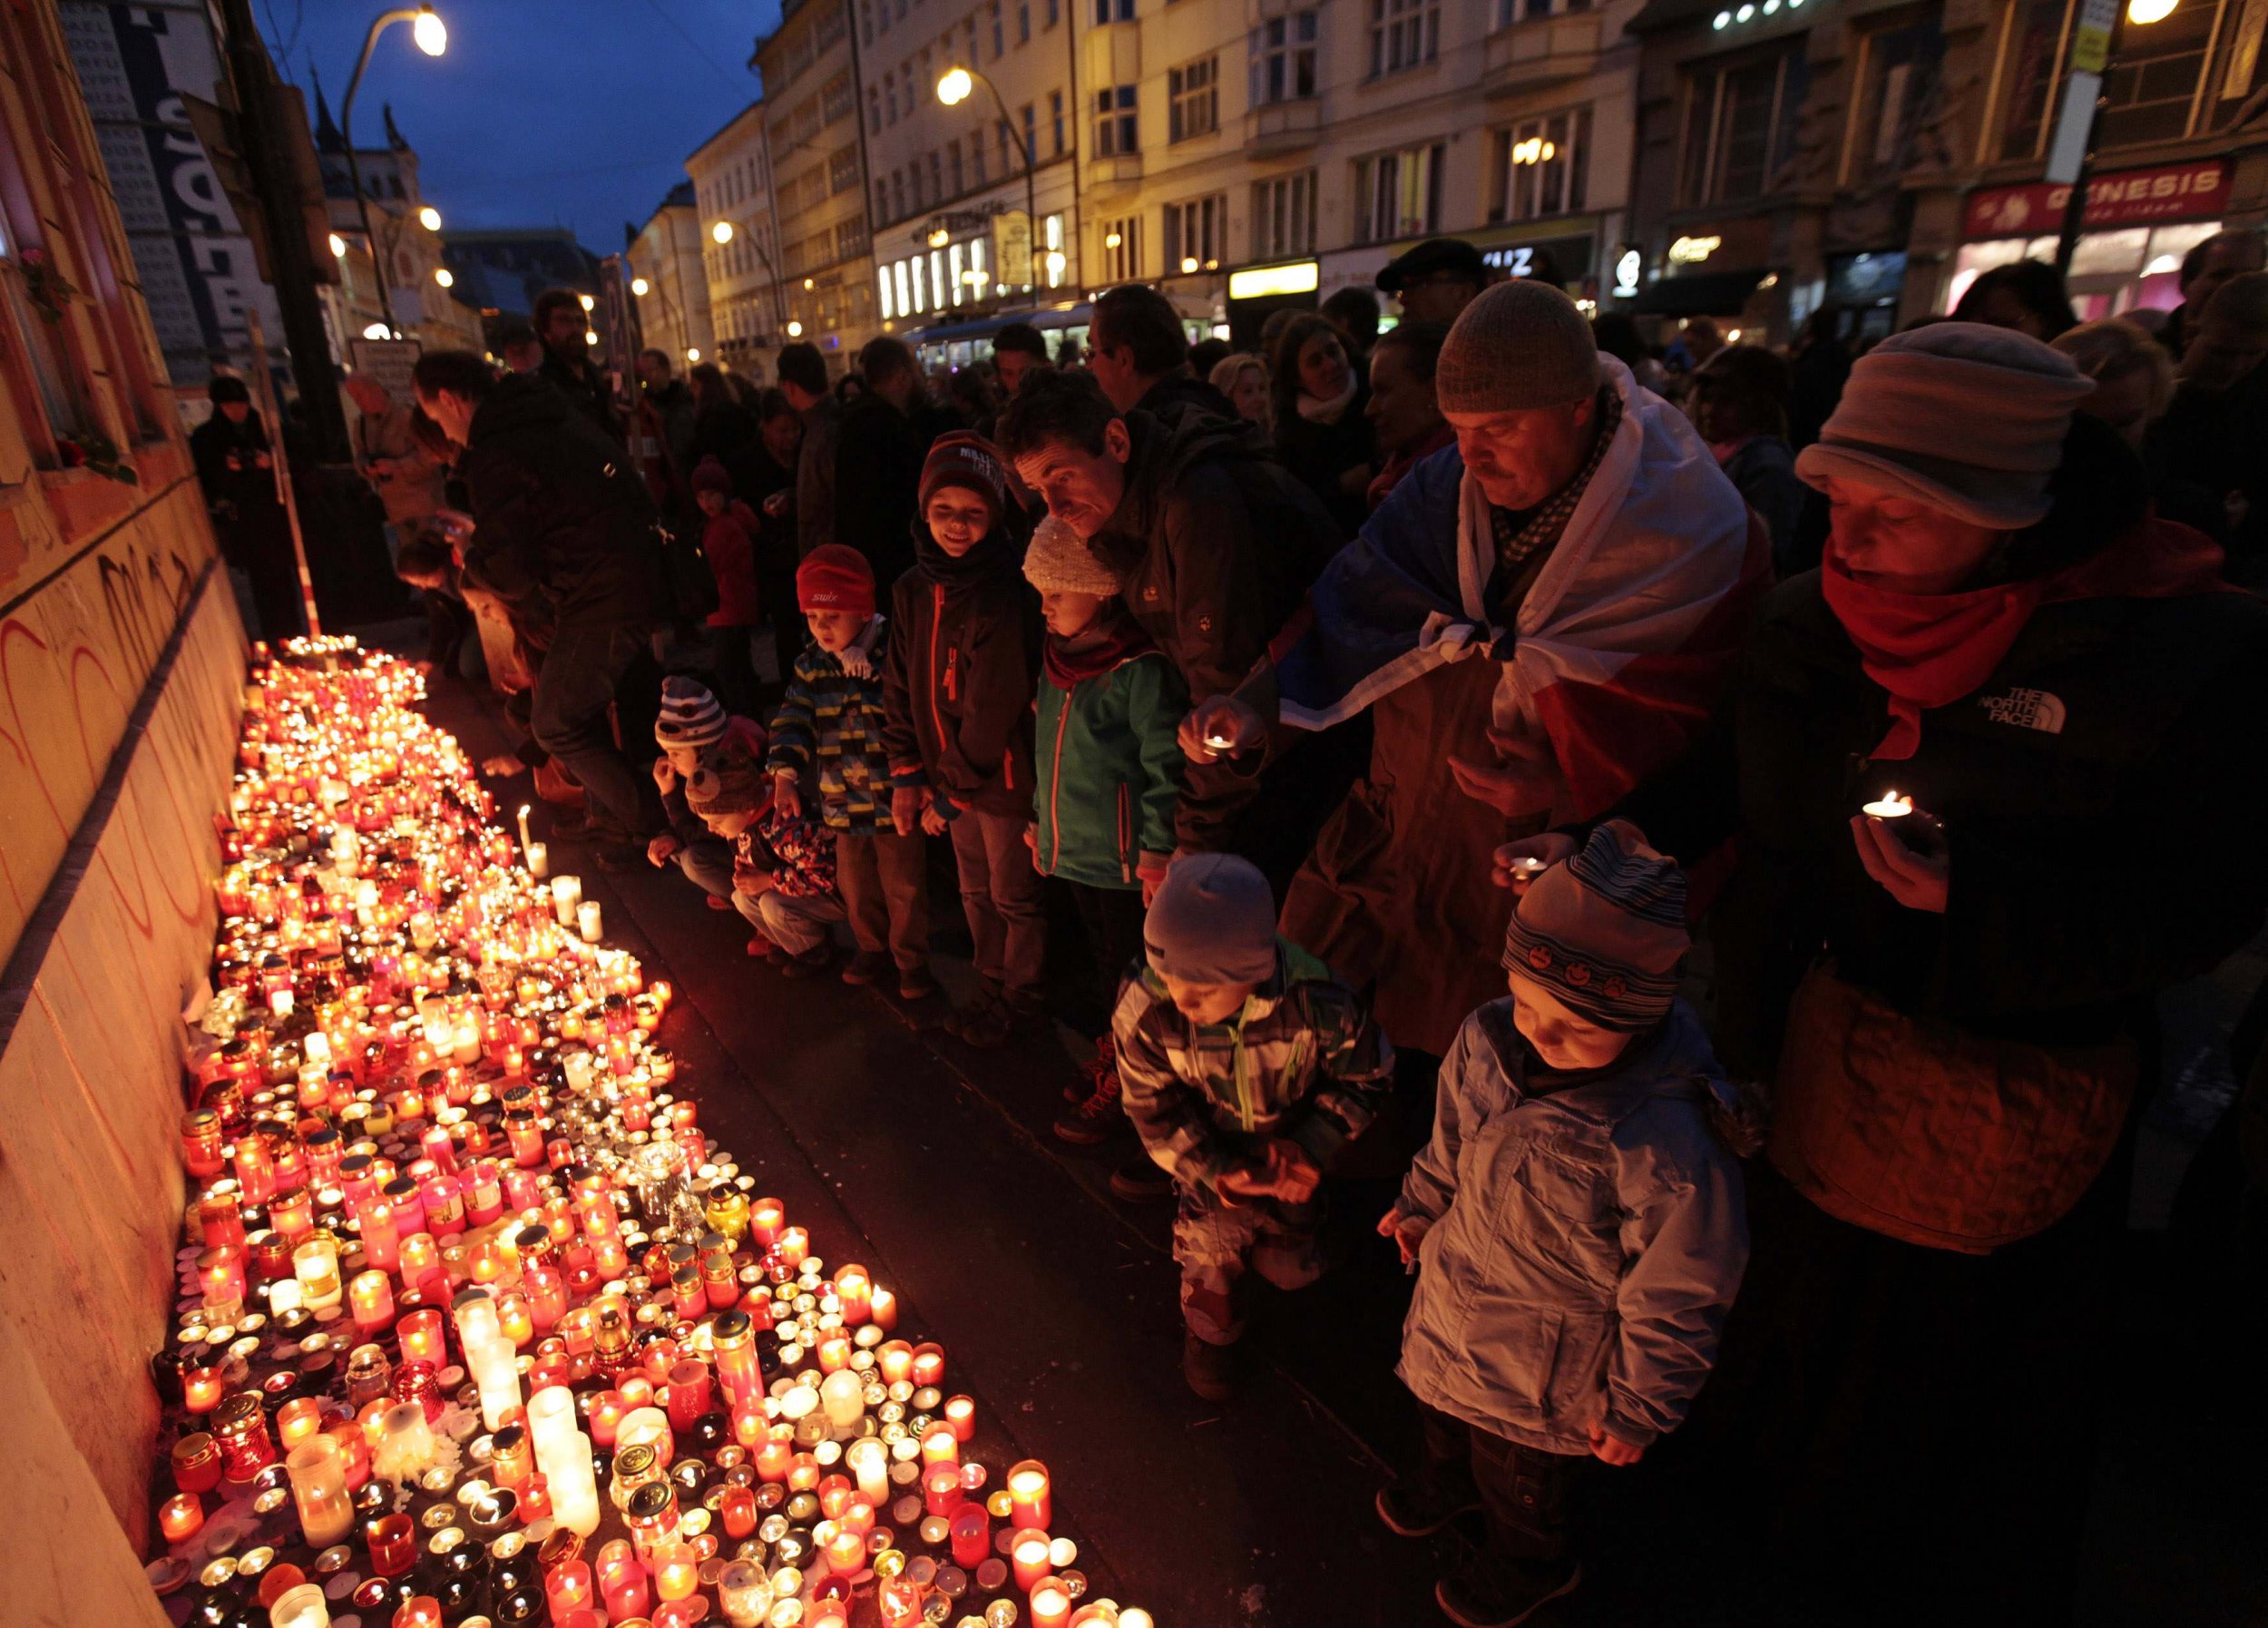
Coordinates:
column 956, row 85
column 433, row 38
column 2142, row 14
column 721, row 231
column 640, row 287
column 444, row 277
column 429, row 217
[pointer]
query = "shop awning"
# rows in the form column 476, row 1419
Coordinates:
column 1700, row 294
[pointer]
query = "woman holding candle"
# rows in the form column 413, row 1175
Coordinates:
column 1955, row 1014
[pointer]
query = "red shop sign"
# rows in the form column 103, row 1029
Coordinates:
column 2195, row 192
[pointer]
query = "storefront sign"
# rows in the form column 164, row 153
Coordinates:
column 2198, row 192
column 1692, row 251
column 1012, row 247
column 1562, row 261
column 1628, row 265
column 1259, row 282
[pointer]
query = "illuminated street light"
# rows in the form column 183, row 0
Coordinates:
column 444, row 277
column 939, row 237
column 429, row 217
column 430, row 32
column 588, row 304
column 795, row 330
column 1112, row 240
column 721, row 231
column 433, row 38
column 1188, row 264
column 2146, row 12
column 338, row 246
column 956, row 87
column 809, row 285
column 588, row 338
column 377, row 330
column 692, row 353
column 640, row 286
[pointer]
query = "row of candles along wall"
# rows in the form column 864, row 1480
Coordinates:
column 428, row 1091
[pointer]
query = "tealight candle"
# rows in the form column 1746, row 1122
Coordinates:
column 304, row 1605
column 746, row 1593
column 1890, row 805
column 181, row 1518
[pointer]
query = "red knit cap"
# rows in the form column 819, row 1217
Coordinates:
column 710, row 476
column 970, row 462
column 835, row 576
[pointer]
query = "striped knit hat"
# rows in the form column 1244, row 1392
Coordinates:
column 690, row 715
column 1606, row 931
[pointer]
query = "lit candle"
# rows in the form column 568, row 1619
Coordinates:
column 588, row 921
column 677, row 1572
column 941, row 1489
column 538, row 859
column 843, row 1395
column 318, row 1490
column 746, row 1593
column 315, row 1264
column 869, row 1459
column 929, row 1365
column 421, row 1338
column 1050, row 1605
column 566, row 894
column 882, row 1309
column 972, row 1532
column 181, row 1518
column 371, row 1294
column 939, row 1445
column 568, row 1588
column 1028, row 1557
column 1029, row 1502
column 854, row 1288
column 961, row 1414
column 1890, row 805
column 525, row 809
column 202, row 1388
column 304, row 1605
column 497, row 1374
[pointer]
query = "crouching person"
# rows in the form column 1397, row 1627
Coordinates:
column 1244, row 1066
column 783, row 867
column 1577, row 1223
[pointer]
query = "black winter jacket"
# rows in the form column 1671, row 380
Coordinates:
column 962, row 669
column 1217, row 543
column 877, row 479
column 560, row 516
column 1319, row 453
column 2100, row 796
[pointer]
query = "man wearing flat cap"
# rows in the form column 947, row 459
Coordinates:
column 1435, row 280
column 1537, row 618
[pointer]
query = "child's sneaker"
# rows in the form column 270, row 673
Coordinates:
column 1095, row 1118
column 867, row 966
column 716, row 903
column 1414, row 1507
column 1210, row 1369
column 1140, row 1181
column 807, row 966
column 1105, row 1061
column 1495, row 1593
column 763, row 949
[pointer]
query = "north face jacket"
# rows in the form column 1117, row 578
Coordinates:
column 956, row 692
column 1590, row 1233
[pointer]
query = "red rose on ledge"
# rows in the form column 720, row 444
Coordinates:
column 70, row 452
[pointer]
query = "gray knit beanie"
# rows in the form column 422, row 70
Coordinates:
column 1213, row 922
column 1060, row 561
column 1519, row 345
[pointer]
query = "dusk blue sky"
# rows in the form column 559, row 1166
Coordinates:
column 542, row 112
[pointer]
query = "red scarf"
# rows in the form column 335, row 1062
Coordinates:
column 1121, row 640
column 1929, row 649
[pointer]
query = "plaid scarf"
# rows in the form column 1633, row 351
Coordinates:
column 1516, row 542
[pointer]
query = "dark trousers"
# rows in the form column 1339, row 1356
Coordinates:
column 1112, row 920
column 1523, row 1491
column 1000, row 895
column 587, row 661
column 884, row 884
column 732, row 649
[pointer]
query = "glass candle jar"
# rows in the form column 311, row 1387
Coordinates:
column 239, row 1425
column 204, row 1145
column 393, row 1544
column 314, row 1263
column 319, row 1491
column 196, row 1463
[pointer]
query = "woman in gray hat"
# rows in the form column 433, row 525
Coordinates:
column 1984, row 769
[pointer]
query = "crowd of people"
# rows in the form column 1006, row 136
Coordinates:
column 1393, row 711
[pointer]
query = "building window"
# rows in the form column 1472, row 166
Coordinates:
column 1115, row 134
column 1055, row 12
column 2151, row 93
column 1283, row 216
column 1122, row 250
column 976, row 156
column 882, row 200
column 839, row 97
column 874, row 110
column 1023, row 22
column 1896, row 83
column 999, row 37
column 1283, row 54
column 1055, row 117
column 841, row 169
column 1740, row 127
column 1542, row 166
column 1031, row 132
column 1058, row 262
column 850, row 238
column 1193, row 96
column 959, row 182
column 889, row 299
column 1113, row 11
column 1398, row 194
column 1197, row 233
column 1403, row 34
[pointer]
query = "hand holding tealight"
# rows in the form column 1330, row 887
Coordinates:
column 1223, row 727
column 1903, row 848
column 1517, row 865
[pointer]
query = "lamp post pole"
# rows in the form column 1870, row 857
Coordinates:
column 1030, row 181
column 414, row 15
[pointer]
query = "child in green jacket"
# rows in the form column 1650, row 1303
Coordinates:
column 1108, row 772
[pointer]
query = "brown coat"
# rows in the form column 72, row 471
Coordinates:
column 1397, row 888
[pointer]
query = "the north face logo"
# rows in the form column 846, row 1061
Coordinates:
column 2026, row 710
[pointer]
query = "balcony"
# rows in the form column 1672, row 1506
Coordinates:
column 1284, row 126
column 1105, row 175
column 1540, row 51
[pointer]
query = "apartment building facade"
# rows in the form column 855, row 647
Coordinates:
column 669, row 283
column 813, row 135
column 737, row 242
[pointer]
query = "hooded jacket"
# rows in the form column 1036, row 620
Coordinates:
column 560, row 513
column 1590, row 1233
column 964, row 644
column 1216, row 542
column 1108, row 766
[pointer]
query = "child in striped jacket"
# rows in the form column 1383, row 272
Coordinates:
column 827, row 736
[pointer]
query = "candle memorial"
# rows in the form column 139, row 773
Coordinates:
column 459, row 1254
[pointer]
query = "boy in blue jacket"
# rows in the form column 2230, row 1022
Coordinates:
column 1107, row 776
column 1577, row 1221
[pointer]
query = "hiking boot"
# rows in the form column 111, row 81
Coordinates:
column 986, row 1027
column 1140, row 1181
column 1210, row 1369
column 867, row 966
column 1415, row 1508
column 915, row 982
column 1497, row 1594
column 1104, row 1061
column 1096, row 1118
column 810, row 966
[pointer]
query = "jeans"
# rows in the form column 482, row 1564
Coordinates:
column 587, row 660
column 1000, row 894
column 706, row 863
column 1522, row 1491
column 797, row 924
column 885, row 893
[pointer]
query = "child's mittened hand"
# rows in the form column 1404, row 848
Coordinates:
column 658, row 850
column 1611, row 1449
